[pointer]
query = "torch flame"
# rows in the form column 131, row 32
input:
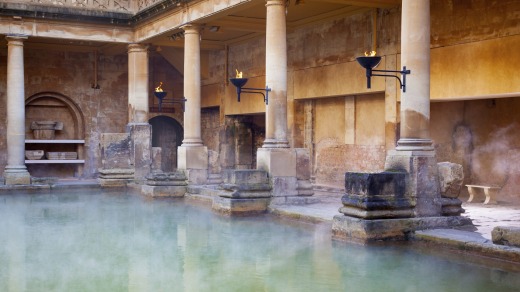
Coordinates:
column 239, row 74
column 370, row 54
column 158, row 88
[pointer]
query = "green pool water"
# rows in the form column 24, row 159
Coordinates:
column 93, row 241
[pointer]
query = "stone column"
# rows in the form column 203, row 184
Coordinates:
column 276, row 75
column 192, row 154
column 275, row 156
column 414, row 152
column 15, row 172
column 138, row 127
column 415, row 55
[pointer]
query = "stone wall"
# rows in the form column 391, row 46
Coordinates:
column 71, row 74
column 210, row 128
column 483, row 136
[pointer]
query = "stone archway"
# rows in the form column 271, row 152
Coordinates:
column 167, row 133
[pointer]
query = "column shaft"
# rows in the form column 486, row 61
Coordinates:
column 137, row 83
column 15, row 171
column 415, row 55
column 276, row 75
column 192, row 84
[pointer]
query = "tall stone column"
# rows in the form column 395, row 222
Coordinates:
column 414, row 152
column 192, row 154
column 138, row 127
column 289, row 182
column 415, row 55
column 276, row 75
column 15, row 172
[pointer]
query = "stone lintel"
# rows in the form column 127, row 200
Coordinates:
column 163, row 191
column 350, row 228
column 240, row 206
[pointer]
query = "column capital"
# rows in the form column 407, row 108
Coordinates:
column 276, row 3
column 192, row 28
column 15, row 39
column 137, row 48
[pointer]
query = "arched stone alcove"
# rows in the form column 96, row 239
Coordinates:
column 167, row 133
column 52, row 106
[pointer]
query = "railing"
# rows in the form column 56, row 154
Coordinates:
column 128, row 6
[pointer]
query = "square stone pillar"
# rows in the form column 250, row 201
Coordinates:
column 422, row 179
column 193, row 160
column 140, row 149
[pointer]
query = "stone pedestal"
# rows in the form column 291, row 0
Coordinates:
column 193, row 160
column 377, row 196
column 357, row 229
column 451, row 178
column 422, row 179
column 245, row 192
column 17, row 175
column 164, row 185
column 115, row 177
column 140, row 149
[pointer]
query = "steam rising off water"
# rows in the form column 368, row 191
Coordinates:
column 116, row 242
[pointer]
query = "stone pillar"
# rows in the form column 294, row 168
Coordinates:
column 15, row 172
column 414, row 152
column 137, row 83
column 138, row 126
column 276, row 75
column 415, row 55
column 275, row 156
column 192, row 154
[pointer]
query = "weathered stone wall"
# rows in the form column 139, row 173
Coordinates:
column 484, row 137
column 71, row 74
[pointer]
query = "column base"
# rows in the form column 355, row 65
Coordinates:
column 273, row 143
column 411, row 144
column 193, row 160
column 422, row 182
column 350, row 228
column 17, row 175
column 240, row 207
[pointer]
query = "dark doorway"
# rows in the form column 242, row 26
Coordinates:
column 167, row 133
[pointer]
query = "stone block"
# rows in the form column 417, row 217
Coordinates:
column 34, row 154
column 115, row 150
column 140, row 148
column 245, row 176
column 451, row 178
column 163, row 191
column 304, row 188
column 506, row 235
column 196, row 176
column 376, row 195
column 240, row 207
column 277, row 161
column 284, row 186
column 192, row 157
column 349, row 228
column 17, row 177
column 156, row 159
column 422, row 180
column 303, row 163
column 451, row 207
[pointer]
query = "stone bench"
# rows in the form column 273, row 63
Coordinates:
column 489, row 191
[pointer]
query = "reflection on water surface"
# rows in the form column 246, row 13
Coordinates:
column 116, row 242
